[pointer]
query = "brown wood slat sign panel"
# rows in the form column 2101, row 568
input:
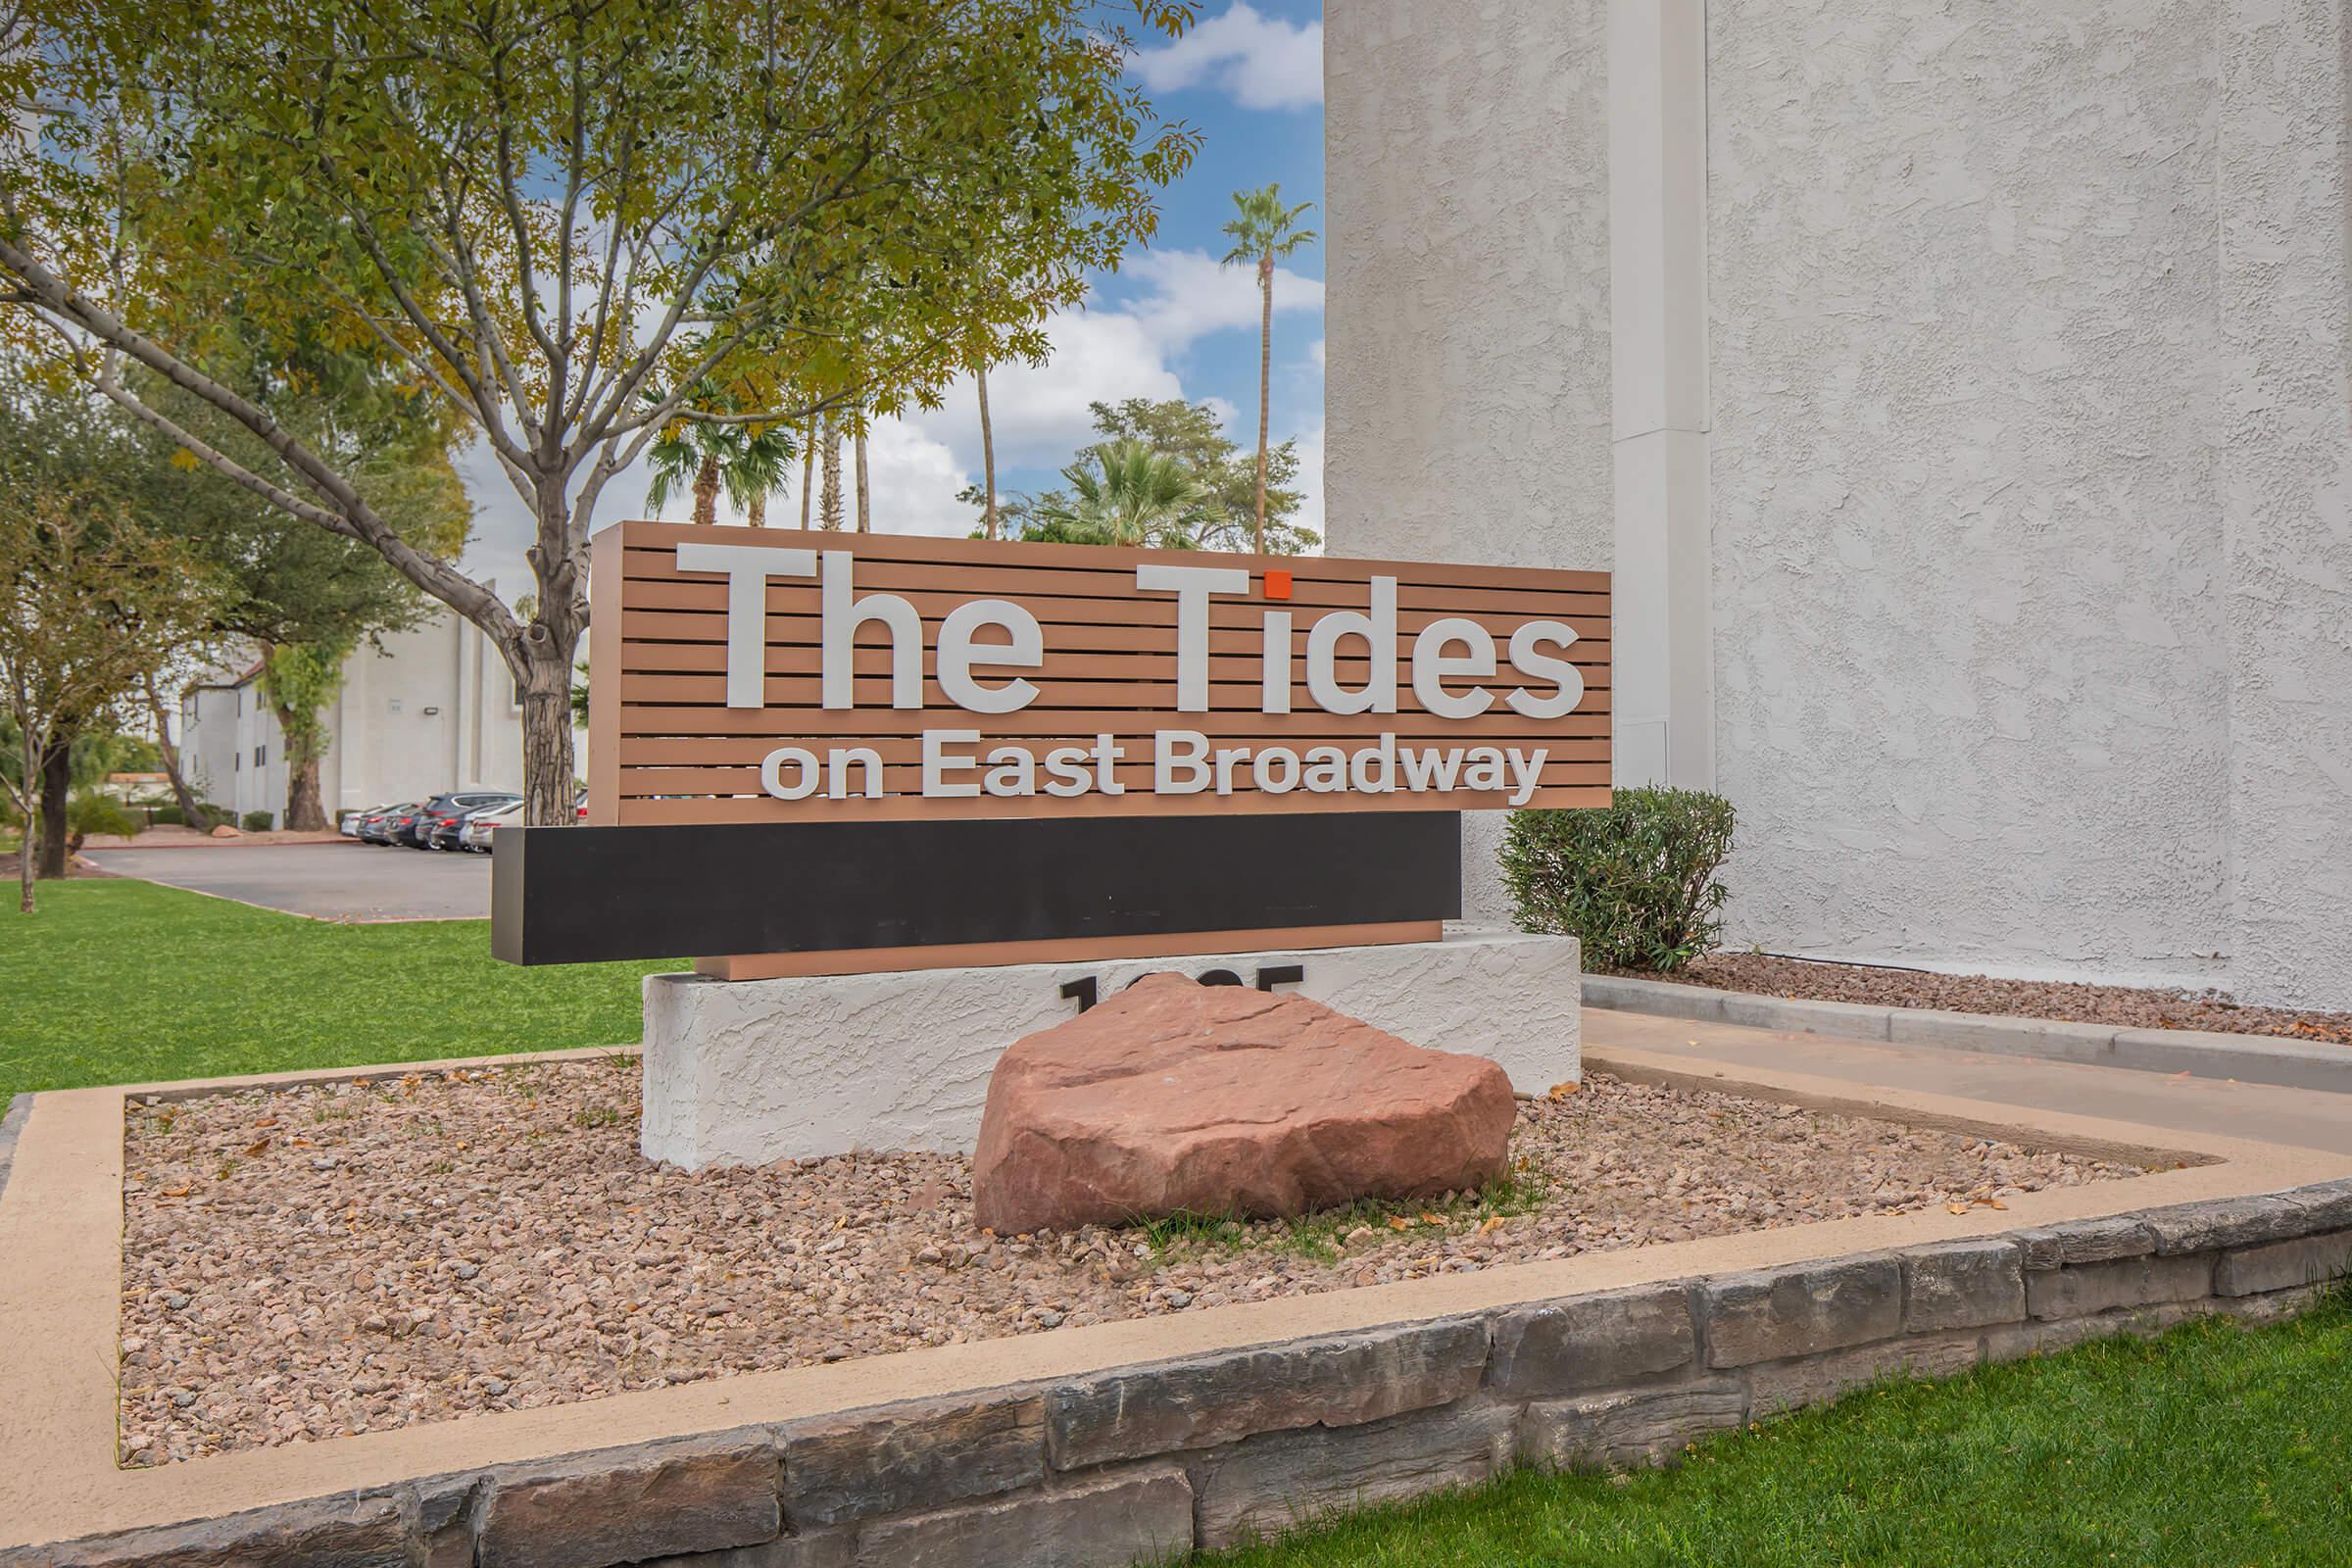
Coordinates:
column 754, row 675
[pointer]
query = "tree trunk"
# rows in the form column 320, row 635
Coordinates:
column 1265, row 382
column 828, row 505
column 987, row 454
column 808, row 470
column 29, row 759
column 189, row 810
column 57, row 789
column 542, row 659
column 755, row 510
column 705, row 490
column 305, row 811
column 865, row 500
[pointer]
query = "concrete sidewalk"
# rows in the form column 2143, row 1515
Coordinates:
column 2301, row 1117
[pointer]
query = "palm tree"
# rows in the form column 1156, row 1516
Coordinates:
column 1262, row 230
column 865, row 502
column 693, row 453
column 828, row 501
column 807, row 468
column 988, row 452
column 757, row 468
column 744, row 462
column 1124, row 493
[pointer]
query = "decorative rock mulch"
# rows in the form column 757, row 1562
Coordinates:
column 335, row 1259
column 2124, row 1007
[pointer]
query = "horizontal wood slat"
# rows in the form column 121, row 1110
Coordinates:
column 664, row 748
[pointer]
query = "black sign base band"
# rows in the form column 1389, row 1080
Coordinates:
column 580, row 895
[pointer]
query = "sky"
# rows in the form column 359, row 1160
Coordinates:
column 1171, row 322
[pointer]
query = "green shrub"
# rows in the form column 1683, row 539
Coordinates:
column 1634, row 883
column 166, row 816
column 258, row 822
column 91, row 812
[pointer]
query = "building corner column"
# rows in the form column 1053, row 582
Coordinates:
column 2286, row 493
column 1662, row 631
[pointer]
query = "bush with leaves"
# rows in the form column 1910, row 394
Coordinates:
column 92, row 812
column 1635, row 882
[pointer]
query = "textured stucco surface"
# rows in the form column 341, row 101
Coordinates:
column 1467, row 296
column 1972, row 678
column 2286, row 492
column 750, row 1072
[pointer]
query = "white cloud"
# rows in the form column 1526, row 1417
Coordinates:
column 1315, row 353
column 1261, row 62
column 1194, row 294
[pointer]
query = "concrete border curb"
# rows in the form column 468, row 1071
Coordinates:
column 12, row 1122
column 2248, row 1059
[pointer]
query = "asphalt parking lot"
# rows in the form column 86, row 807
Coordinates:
column 344, row 881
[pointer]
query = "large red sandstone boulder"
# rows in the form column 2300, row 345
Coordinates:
column 1174, row 1097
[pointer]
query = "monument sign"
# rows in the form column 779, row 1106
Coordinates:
column 829, row 752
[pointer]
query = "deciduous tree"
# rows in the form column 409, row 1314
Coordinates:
column 535, row 213
column 90, row 605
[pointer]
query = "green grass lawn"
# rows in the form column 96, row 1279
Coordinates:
column 128, row 981
column 2213, row 1447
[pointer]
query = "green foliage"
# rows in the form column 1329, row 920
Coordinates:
column 2214, row 1445
column 298, row 681
column 1124, row 493
column 1262, row 230
column 1635, row 882
column 1187, row 441
column 126, row 982
column 91, row 812
column 257, row 822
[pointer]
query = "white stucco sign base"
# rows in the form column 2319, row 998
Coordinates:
column 750, row 1072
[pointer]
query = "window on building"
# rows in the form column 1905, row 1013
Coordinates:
column 261, row 755
column 236, row 761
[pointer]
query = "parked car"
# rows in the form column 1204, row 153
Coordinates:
column 375, row 827
column 445, row 826
column 348, row 824
column 474, row 835
column 447, row 807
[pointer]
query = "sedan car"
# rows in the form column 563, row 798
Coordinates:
column 474, row 835
column 446, row 809
column 447, row 826
column 375, row 827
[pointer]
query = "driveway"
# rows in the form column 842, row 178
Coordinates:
column 329, row 881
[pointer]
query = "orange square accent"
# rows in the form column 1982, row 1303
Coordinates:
column 1278, row 585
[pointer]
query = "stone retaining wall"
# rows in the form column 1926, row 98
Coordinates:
column 1144, row 1461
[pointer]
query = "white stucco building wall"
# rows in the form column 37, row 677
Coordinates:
column 432, row 708
column 1977, row 388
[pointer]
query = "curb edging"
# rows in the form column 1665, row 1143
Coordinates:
column 2206, row 1054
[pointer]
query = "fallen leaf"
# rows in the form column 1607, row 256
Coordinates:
column 1955, row 1208
column 1433, row 1219
column 175, row 1192
column 1400, row 1223
column 257, row 1149
column 1562, row 1090
column 1493, row 1223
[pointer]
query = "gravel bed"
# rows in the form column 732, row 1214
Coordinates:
column 2124, row 1007
column 333, row 1260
